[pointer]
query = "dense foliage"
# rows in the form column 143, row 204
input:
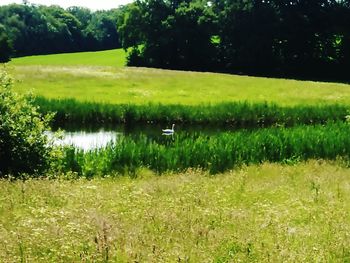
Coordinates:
column 5, row 46
column 294, row 38
column 24, row 147
column 51, row 29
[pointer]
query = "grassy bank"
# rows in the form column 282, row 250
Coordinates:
column 267, row 213
column 100, row 77
column 215, row 153
column 239, row 114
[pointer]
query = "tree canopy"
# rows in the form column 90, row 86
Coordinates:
column 40, row 29
column 5, row 45
column 308, row 38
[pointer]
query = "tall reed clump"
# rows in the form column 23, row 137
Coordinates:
column 241, row 114
column 214, row 153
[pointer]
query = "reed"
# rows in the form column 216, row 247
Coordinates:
column 213, row 153
column 240, row 114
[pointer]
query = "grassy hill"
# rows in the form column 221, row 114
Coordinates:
column 101, row 77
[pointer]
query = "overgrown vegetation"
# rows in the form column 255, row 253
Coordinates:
column 216, row 153
column 24, row 148
column 265, row 213
column 238, row 114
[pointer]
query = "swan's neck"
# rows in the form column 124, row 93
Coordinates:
column 173, row 126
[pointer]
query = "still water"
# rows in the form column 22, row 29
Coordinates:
column 87, row 140
column 93, row 138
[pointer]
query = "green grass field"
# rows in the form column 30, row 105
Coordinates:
column 267, row 213
column 101, row 77
column 113, row 58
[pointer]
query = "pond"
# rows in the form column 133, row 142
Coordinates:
column 93, row 138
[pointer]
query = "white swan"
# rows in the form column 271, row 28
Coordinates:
column 169, row 131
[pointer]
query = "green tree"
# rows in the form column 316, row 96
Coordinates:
column 102, row 29
column 5, row 46
column 169, row 34
column 247, row 32
column 83, row 14
column 51, row 29
column 24, row 147
column 65, row 33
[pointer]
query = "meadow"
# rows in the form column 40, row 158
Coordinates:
column 276, row 193
column 101, row 77
column 265, row 213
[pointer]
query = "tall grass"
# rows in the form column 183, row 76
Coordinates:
column 241, row 114
column 213, row 153
column 265, row 213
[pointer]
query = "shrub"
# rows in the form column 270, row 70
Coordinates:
column 24, row 147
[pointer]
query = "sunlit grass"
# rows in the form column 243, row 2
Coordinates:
column 113, row 58
column 100, row 77
column 267, row 213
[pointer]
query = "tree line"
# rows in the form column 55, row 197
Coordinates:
column 294, row 38
column 27, row 29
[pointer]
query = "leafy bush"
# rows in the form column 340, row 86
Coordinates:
column 24, row 147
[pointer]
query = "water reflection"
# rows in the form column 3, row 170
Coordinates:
column 87, row 140
column 152, row 129
column 91, row 137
